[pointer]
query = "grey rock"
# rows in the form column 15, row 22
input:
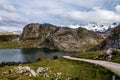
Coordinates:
column 57, row 75
column 41, row 69
column 33, row 73
column 21, row 70
column 60, row 38
column 113, row 41
column 108, row 54
column 46, row 75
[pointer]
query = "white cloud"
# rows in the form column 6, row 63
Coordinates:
column 97, row 15
column 12, row 18
column 7, row 7
column 9, row 16
column 10, row 28
column 60, row 12
column 0, row 18
column 85, row 3
column 117, row 8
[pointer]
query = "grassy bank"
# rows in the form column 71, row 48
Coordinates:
column 88, row 55
column 116, row 58
column 92, row 55
column 69, row 69
column 16, row 44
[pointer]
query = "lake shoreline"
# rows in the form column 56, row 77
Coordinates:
column 29, row 54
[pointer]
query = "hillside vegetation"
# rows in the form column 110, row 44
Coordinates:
column 68, row 69
column 109, row 49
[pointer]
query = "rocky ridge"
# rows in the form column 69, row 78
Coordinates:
column 60, row 38
column 110, row 45
column 108, row 54
column 113, row 41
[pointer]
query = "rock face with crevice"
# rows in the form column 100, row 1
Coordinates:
column 113, row 41
column 60, row 38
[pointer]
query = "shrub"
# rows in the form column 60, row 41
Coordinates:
column 55, row 57
column 39, row 59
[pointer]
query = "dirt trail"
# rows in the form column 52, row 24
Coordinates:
column 114, row 67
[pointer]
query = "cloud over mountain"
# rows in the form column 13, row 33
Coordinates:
column 97, row 15
column 17, row 13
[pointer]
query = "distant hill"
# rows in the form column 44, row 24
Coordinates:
column 11, row 33
column 61, row 38
column 6, row 33
column 10, row 37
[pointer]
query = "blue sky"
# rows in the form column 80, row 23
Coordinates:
column 15, row 14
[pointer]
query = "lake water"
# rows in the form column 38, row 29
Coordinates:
column 28, row 55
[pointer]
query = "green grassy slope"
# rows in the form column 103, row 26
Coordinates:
column 68, row 68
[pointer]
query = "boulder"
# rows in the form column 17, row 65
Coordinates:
column 33, row 73
column 41, row 69
column 108, row 54
column 57, row 75
column 21, row 70
column 25, row 70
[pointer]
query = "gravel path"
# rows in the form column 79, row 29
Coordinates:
column 114, row 67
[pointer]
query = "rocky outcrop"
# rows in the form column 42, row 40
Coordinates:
column 45, row 72
column 110, row 45
column 108, row 54
column 113, row 41
column 60, row 38
column 26, row 70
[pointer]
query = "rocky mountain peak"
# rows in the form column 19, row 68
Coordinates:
column 113, row 41
column 61, row 38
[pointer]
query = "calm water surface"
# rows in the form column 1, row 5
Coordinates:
column 27, row 55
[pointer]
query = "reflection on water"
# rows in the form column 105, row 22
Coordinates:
column 27, row 55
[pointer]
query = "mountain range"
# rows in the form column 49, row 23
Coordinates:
column 96, row 27
column 99, row 28
column 65, row 38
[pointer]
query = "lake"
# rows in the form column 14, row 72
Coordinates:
column 28, row 55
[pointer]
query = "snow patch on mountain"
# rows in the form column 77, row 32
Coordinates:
column 96, row 27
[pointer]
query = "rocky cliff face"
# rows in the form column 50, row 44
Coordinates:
column 112, row 41
column 61, row 38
